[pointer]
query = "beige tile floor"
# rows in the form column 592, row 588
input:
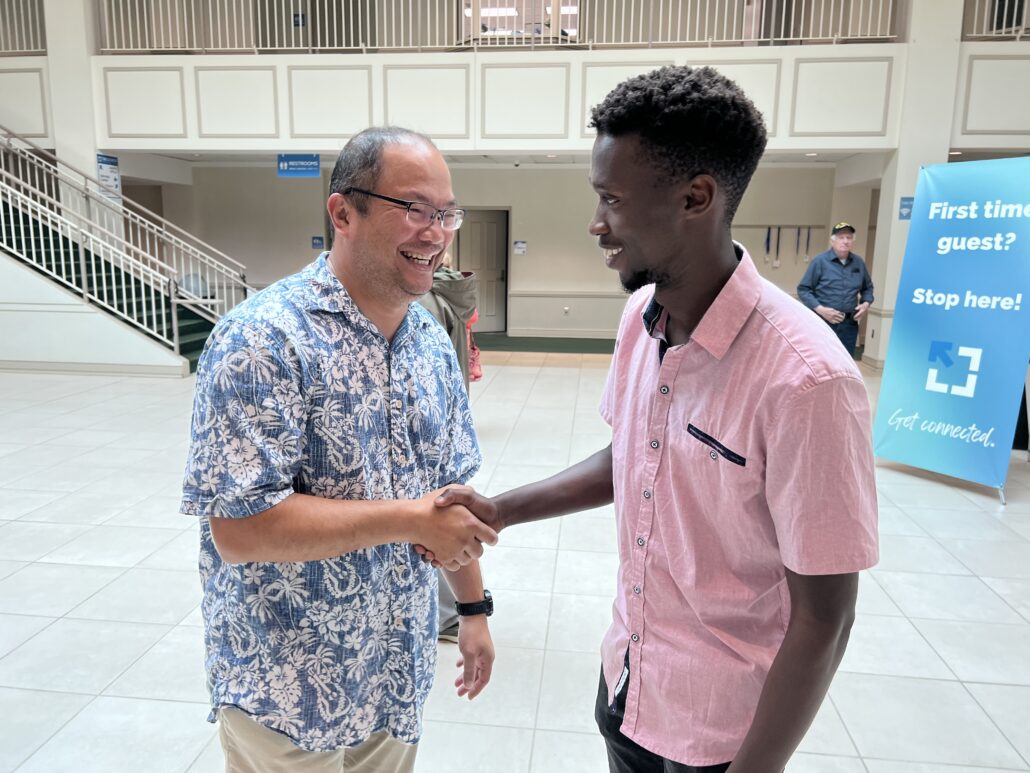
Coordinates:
column 100, row 637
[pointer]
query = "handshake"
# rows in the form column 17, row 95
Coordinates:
column 455, row 523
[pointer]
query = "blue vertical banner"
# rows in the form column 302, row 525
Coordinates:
column 960, row 338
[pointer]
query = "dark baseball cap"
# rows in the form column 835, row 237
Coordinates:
column 842, row 226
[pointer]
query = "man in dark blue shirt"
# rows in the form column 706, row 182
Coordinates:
column 837, row 286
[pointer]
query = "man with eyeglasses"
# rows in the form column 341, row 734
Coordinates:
column 330, row 409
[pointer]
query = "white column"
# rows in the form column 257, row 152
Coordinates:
column 71, row 42
column 928, row 105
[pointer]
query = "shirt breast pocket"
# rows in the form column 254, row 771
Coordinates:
column 725, row 479
column 715, row 448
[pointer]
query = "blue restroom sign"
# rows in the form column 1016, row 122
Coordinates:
column 299, row 165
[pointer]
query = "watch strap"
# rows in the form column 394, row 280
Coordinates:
column 484, row 607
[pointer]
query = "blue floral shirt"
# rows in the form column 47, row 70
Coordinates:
column 298, row 391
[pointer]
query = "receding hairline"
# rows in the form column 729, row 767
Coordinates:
column 424, row 150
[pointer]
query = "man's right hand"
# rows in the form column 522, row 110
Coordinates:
column 468, row 498
column 450, row 532
column 830, row 315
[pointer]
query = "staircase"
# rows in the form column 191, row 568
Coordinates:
column 116, row 255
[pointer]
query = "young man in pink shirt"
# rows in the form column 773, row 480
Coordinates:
column 740, row 465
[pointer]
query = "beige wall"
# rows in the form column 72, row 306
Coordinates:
column 267, row 222
column 148, row 196
column 551, row 210
column 264, row 221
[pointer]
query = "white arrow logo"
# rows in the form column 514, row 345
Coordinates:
column 966, row 390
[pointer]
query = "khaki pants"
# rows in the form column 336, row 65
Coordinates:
column 252, row 748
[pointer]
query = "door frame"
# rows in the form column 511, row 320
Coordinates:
column 507, row 253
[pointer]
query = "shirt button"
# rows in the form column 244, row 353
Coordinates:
column 636, row 589
column 713, row 454
column 641, row 541
column 654, row 444
column 664, row 389
column 647, row 493
column 635, row 637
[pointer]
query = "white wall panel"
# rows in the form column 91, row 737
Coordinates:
column 433, row 99
column 23, row 108
column 494, row 102
column 237, row 102
column 601, row 77
column 995, row 102
column 760, row 80
column 145, row 102
column 841, row 97
column 525, row 101
column 329, row 101
column 59, row 331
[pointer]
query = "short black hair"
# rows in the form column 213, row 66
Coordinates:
column 691, row 121
column 361, row 161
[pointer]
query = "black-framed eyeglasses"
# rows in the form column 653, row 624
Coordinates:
column 418, row 212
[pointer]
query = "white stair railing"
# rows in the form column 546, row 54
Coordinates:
column 85, row 259
column 206, row 279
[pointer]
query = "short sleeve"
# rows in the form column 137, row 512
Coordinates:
column 248, row 428
column 820, row 480
column 607, row 405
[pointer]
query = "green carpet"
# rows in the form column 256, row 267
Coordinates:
column 500, row 342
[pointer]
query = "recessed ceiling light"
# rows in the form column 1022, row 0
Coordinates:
column 954, row 152
column 811, row 155
column 551, row 155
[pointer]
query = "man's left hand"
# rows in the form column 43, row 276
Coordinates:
column 477, row 656
column 860, row 310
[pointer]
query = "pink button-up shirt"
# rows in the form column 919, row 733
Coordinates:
column 744, row 451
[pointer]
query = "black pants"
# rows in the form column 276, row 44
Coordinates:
column 625, row 756
column 847, row 332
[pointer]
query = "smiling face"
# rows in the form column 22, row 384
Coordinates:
column 391, row 258
column 638, row 221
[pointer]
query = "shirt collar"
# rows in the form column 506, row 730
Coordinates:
column 833, row 257
column 731, row 308
column 329, row 294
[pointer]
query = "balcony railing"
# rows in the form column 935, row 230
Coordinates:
column 997, row 20
column 268, row 26
column 22, row 32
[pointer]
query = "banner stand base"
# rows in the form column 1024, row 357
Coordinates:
column 1001, row 495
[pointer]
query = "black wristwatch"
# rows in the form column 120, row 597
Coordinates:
column 484, row 607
